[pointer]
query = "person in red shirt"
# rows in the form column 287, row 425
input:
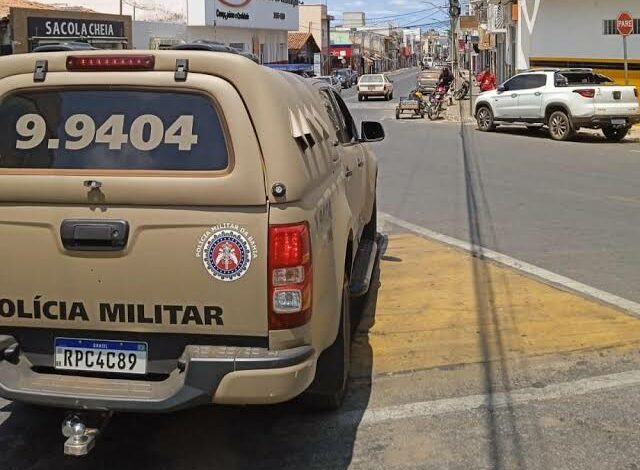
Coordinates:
column 487, row 80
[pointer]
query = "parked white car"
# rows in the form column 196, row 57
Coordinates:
column 333, row 81
column 375, row 85
column 562, row 99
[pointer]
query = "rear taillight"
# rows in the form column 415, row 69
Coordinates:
column 635, row 92
column 290, row 276
column 586, row 92
column 114, row 63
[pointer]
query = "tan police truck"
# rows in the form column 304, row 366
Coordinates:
column 177, row 228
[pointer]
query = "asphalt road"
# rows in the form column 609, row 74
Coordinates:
column 572, row 208
column 457, row 363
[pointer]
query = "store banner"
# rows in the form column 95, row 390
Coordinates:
column 254, row 14
column 485, row 40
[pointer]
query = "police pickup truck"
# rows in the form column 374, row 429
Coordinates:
column 175, row 235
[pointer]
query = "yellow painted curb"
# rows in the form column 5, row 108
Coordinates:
column 438, row 306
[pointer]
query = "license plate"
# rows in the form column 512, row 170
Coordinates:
column 90, row 355
column 619, row 122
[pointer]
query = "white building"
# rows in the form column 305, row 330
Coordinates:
column 257, row 26
column 577, row 33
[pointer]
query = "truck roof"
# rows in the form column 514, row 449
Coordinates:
column 275, row 100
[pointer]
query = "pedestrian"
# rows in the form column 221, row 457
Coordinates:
column 487, row 80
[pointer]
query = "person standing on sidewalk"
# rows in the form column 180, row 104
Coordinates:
column 487, row 80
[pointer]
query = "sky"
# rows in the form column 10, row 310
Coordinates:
column 422, row 13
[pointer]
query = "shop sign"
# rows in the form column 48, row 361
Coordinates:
column 468, row 23
column 253, row 14
column 341, row 51
column 73, row 28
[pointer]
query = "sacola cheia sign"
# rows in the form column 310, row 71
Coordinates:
column 74, row 28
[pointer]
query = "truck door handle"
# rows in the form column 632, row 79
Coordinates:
column 514, row 96
column 537, row 93
column 94, row 235
column 348, row 173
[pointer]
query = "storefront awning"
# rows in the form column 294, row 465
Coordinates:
column 291, row 67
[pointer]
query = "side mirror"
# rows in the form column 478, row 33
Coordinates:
column 501, row 89
column 372, row 131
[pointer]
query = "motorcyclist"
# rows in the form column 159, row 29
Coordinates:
column 446, row 78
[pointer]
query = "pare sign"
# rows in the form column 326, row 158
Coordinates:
column 624, row 23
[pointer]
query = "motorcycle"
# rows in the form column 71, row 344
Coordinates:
column 436, row 99
column 462, row 92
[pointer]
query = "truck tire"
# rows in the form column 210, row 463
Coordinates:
column 484, row 118
column 615, row 135
column 329, row 387
column 560, row 126
column 360, row 98
column 397, row 113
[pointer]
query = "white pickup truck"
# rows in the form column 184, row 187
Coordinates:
column 562, row 99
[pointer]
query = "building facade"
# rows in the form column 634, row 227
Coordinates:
column 314, row 19
column 257, row 26
column 546, row 25
column 24, row 29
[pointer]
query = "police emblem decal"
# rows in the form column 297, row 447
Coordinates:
column 227, row 255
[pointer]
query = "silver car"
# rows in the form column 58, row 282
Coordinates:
column 333, row 81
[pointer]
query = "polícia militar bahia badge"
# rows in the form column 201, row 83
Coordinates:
column 226, row 251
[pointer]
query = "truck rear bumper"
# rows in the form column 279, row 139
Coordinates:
column 205, row 374
column 604, row 121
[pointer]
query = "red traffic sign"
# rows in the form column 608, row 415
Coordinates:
column 624, row 23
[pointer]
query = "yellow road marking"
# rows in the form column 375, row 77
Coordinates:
column 438, row 306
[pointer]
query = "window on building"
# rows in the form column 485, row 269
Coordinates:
column 610, row 27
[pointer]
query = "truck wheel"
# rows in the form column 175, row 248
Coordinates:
column 397, row 114
column 560, row 127
column 329, row 387
column 484, row 117
column 360, row 98
column 615, row 135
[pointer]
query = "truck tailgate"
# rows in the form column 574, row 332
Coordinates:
column 616, row 101
column 132, row 210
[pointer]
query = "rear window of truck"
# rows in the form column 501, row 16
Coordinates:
column 111, row 130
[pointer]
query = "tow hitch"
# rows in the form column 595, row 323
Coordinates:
column 82, row 430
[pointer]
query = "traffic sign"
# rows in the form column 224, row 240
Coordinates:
column 624, row 23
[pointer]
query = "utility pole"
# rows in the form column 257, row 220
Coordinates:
column 454, row 13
